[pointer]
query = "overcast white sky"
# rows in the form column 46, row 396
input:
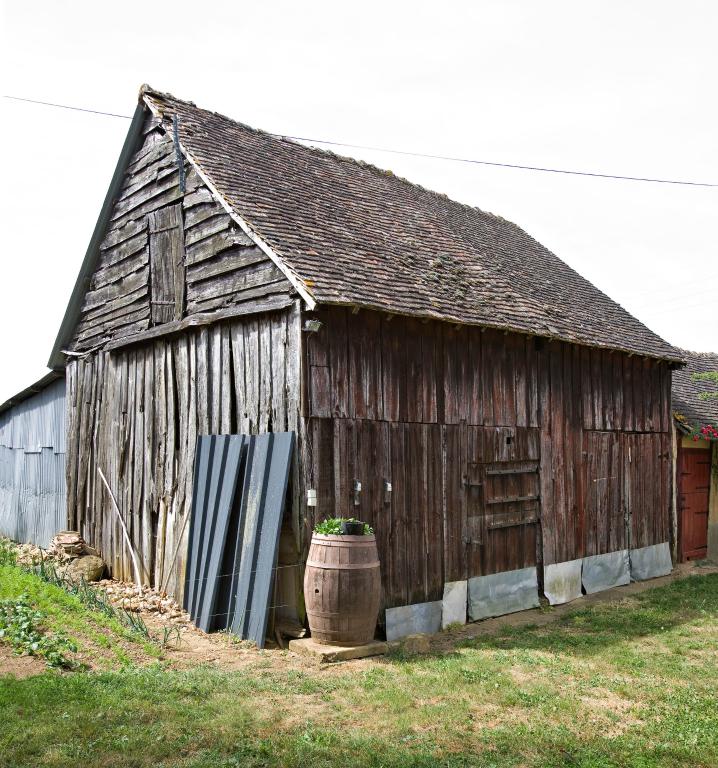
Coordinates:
column 614, row 87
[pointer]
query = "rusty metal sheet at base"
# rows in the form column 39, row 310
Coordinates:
column 500, row 593
column 420, row 618
column 562, row 581
column 453, row 605
column 651, row 562
column 605, row 571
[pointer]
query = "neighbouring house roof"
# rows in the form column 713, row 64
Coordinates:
column 685, row 390
column 32, row 390
column 345, row 232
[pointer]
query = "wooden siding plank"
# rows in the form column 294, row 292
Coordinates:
column 397, row 577
column 454, row 504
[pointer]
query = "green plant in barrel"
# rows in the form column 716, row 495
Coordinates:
column 343, row 526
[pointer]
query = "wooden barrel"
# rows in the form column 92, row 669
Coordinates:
column 342, row 587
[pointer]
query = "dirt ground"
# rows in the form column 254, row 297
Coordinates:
column 226, row 652
column 222, row 650
column 19, row 666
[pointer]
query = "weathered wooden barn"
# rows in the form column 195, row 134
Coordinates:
column 695, row 456
column 32, row 462
column 502, row 424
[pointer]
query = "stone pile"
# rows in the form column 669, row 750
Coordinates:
column 75, row 558
column 29, row 555
column 70, row 544
column 125, row 595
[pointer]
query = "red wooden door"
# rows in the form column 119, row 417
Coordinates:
column 693, row 487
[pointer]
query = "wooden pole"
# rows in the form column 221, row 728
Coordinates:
column 138, row 578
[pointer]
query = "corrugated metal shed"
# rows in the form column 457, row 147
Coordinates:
column 32, row 462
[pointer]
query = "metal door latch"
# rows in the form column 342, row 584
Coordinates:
column 357, row 492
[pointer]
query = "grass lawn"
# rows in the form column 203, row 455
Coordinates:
column 629, row 684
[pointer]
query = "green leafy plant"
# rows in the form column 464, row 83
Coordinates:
column 20, row 625
column 332, row 526
column 170, row 634
column 8, row 552
column 710, row 376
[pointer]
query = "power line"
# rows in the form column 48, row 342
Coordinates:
column 541, row 169
column 428, row 156
column 677, row 287
column 669, row 301
column 65, row 106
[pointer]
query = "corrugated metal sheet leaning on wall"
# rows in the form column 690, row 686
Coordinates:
column 32, row 462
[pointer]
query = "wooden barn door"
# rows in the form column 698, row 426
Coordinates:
column 167, row 273
column 694, row 473
column 606, row 518
column 501, row 486
column 646, row 490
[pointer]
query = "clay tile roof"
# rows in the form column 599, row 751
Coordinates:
column 357, row 235
column 685, row 391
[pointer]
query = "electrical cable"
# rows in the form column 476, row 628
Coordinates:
column 428, row 156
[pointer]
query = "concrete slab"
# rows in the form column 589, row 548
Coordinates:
column 562, row 581
column 453, row 606
column 412, row 644
column 502, row 593
column 327, row 654
column 606, row 571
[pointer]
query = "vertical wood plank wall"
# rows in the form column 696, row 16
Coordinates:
column 136, row 413
column 575, row 436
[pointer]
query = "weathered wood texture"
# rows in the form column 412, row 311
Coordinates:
column 483, row 436
column 136, row 413
column 168, row 254
column 371, row 366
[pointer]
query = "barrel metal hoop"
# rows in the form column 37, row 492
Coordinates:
column 342, row 566
column 337, row 615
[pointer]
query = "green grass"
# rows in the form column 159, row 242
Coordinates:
column 101, row 640
column 631, row 684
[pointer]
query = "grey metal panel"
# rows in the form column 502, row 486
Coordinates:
column 453, row 604
column 501, row 593
column 37, row 422
column 32, row 463
column 651, row 562
column 204, row 452
column 562, row 581
column 8, row 516
column 605, row 571
column 420, row 618
column 268, row 476
column 240, row 489
column 228, row 453
column 208, row 541
column 217, row 463
column 32, row 495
